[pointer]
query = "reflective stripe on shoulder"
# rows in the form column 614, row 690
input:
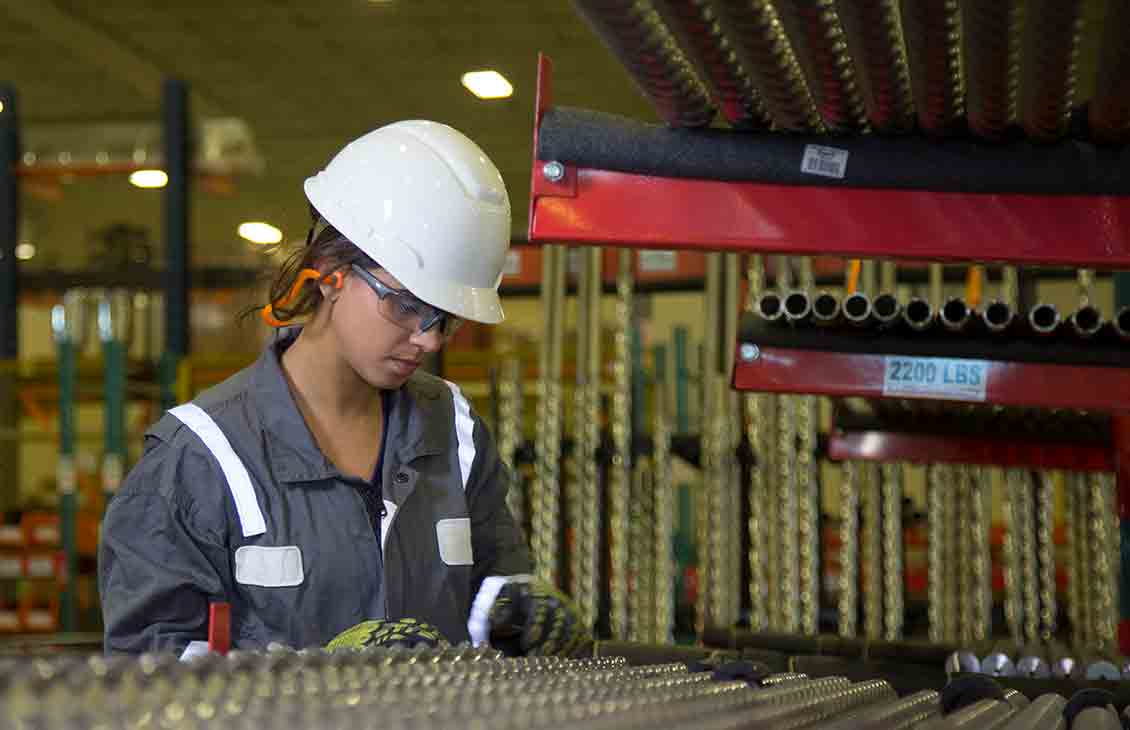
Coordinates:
column 464, row 431
column 239, row 481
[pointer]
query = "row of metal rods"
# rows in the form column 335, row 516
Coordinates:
column 782, row 497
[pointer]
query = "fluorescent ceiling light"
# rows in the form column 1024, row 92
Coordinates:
column 259, row 232
column 149, row 178
column 25, row 251
column 487, row 84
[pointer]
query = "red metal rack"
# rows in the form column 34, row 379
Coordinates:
column 607, row 208
column 570, row 204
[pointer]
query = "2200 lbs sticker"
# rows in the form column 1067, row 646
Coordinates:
column 935, row 377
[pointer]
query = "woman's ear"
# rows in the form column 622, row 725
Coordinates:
column 331, row 285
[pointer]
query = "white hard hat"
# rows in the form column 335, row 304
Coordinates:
column 428, row 205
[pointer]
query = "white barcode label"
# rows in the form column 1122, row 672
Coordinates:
column 935, row 377
column 652, row 261
column 513, row 265
column 824, row 161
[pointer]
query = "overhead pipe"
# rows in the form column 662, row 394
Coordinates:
column 918, row 314
column 956, row 314
column 636, row 33
column 770, row 307
column 875, row 40
column 1108, row 113
column 856, row 306
column 887, row 310
column 1087, row 321
column 1052, row 32
column 818, row 39
column 992, row 34
column 933, row 42
column 697, row 25
column 768, row 55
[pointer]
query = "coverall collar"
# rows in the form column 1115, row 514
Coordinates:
column 291, row 448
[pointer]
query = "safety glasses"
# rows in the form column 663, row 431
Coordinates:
column 403, row 309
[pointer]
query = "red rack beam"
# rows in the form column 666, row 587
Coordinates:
column 817, row 372
column 889, row 446
column 601, row 207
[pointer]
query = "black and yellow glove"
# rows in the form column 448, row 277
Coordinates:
column 535, row 619
column 407, row 633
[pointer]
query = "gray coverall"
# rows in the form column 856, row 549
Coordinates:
column 269, row 525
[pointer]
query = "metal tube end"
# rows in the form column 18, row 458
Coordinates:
column 1122, row 323
column 826, row 309
column 1043, row 319
column 1087, row 321
column 998, row 316
column 956, row 314
column 857, row 309
column 918, row 314
column 770, row 307
column 798, row 306
column 886, row 309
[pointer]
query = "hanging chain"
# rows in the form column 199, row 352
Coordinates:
column 1013, row 603
column 952, row 557
column 1072, row 515
column 1104, row 578
column 935, row 578
column 758, row 578
column 510, row 433
column 546, row 496
column 808, row 491
column 1085, row 628
column 788, row 547
column 641, row 556
column 872, row 551
column 966, row 549
column 849, row 547
column 664, row 498
column 981, row 601
column 1045, row 551
column 892, row 551
column 621, row 470
column 1030, row 580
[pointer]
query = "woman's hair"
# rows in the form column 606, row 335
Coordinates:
column 326, row 250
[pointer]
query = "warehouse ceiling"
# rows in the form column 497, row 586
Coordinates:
column 296, row 80
column 304, row 77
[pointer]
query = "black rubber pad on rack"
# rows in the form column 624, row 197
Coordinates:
column 608, row 142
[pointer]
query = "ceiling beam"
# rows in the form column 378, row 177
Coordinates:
column 100, row 49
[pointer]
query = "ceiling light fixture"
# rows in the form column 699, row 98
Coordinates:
column 259, row 232
column 25, row 251
column 149, row 178
column 487, row 84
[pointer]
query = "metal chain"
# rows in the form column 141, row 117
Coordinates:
column 758, row 425
column 892, row 551
column 719, row 513
column 592, row 510
column 546, row 492
column 849, row 547
column 1072, row 515
column 641, row 556
column 788, row 547
column 1013, row 604
column 621, row 424
column 935, row 578
column 872, row 551
column 1045, row 551
column 1030, row 580
column 807, row 515
column 1081, row 529
column 966, row 548
column 510, row 433
column 664, row 498
column 979, row 585
column 951, row 558
column 1104, row 578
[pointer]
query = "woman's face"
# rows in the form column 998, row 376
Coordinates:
column 382, row 353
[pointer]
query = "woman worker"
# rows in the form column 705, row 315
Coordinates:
column 331, row 484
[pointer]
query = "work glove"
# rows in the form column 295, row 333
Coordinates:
column 532, row 618
column 407, row 633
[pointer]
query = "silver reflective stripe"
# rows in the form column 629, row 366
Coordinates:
column 239, row 481
column 464, row 431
